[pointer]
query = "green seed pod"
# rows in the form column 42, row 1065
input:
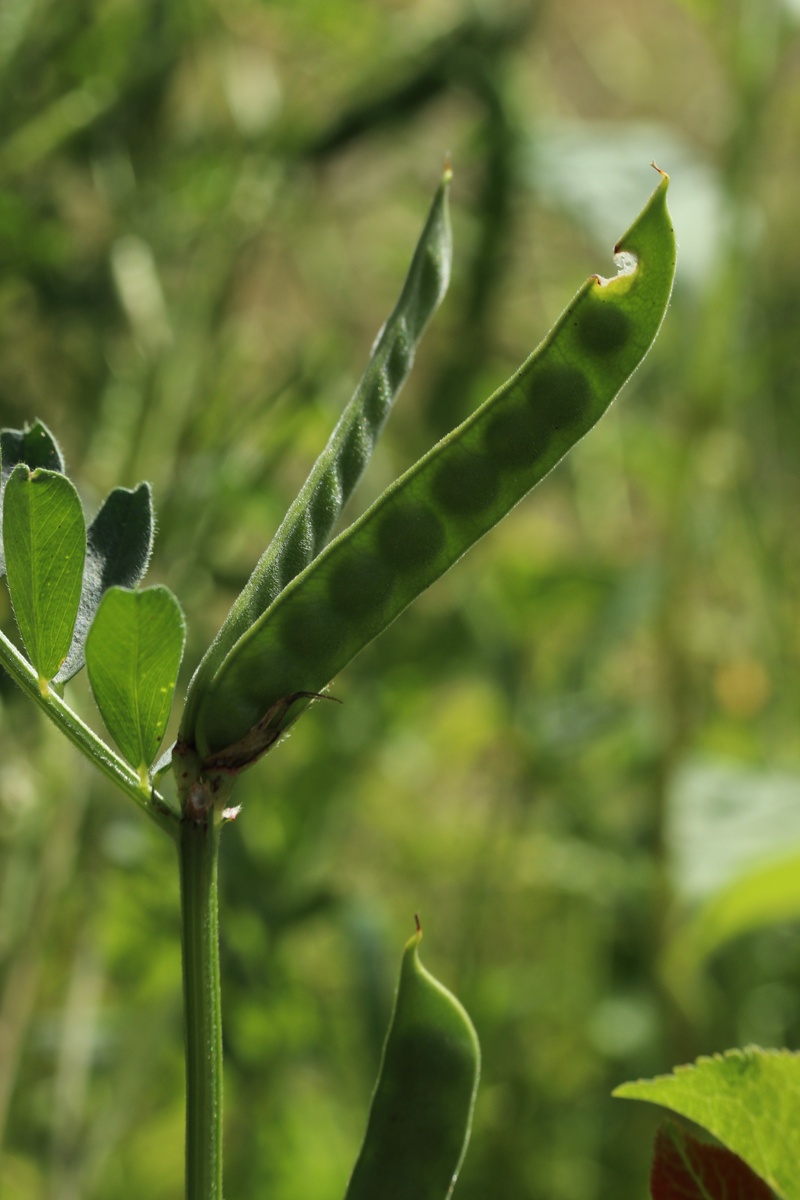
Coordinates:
column 422, row 524
column 421, row 1112
column 313, row 514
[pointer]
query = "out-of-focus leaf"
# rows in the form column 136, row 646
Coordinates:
column 724, row 819
column 685, row 1168
column 748, row 1099
column 119, row 542
column 133, row 653
column 36, row 447
column 762, row 896
column 60, row 120
column 45, row 543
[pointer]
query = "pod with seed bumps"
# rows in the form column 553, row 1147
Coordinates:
column 316, row 509
column 440, row 507
column 421, row 1112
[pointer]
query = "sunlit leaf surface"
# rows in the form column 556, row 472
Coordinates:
column 133, row 652
column 749, row 1099
column 45, row 544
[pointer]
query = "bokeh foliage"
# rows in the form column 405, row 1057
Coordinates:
column 575, row 739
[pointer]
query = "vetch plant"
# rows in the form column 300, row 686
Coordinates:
column 310, row 605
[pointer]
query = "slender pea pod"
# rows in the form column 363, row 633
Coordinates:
column 421, row 1112
column 317, row 507
column 422, row 524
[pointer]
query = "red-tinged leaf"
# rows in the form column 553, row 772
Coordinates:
column 687, row 1169
column 748, row 1099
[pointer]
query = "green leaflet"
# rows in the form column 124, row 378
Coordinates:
column 45, row 542
column 119, row 542
column 421, row 1111
column 36, row 447
column 748, row 1099
column 133, row 653
column 422, row 524
column 317, row 507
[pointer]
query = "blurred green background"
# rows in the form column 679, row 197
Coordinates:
column 578, row 756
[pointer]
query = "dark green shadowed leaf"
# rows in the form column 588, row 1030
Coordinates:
column 316, row 509
column 45, row 543
column 421, row 1112
column 421, row 525
column 36, row 447
column 119, row 542
column 133, row 653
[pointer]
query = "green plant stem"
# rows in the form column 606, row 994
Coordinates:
column 86, row 740
column 198, row 850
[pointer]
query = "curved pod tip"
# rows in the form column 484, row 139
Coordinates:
column 412, row 966
column 639, row 245
column 421, row 1113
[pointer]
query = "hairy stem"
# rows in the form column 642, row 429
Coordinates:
column 198, row 851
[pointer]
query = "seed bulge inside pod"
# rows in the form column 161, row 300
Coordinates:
column 408, row 536
column 466, row 483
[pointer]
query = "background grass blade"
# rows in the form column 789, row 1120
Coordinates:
column 317, row 507
column 119, row 542
column 133, row 653
column 45, row 544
